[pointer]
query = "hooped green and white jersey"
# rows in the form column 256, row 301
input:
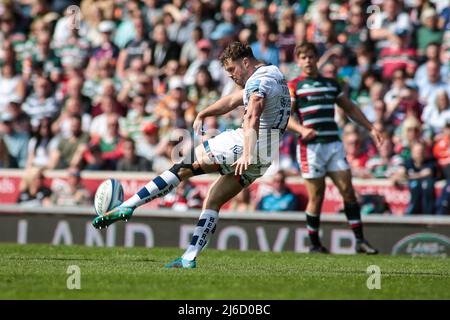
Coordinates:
column 315, row 100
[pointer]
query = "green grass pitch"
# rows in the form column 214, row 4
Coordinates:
column 40, row 272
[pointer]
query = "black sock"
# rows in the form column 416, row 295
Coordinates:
column 313, row 224
column 353, row 213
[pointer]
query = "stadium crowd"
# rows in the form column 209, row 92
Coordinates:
column 107, row 84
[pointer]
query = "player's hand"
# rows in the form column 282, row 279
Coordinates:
column 198, row 125
column 377, row 137
column 307, row 134
column 242, row 164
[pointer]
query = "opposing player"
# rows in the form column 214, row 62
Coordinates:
column 320, row 150
column 240, row 155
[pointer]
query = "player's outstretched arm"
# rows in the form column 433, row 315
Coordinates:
column 221, row 106
column 356, row 114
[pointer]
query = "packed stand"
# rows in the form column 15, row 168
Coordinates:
column 104, row 85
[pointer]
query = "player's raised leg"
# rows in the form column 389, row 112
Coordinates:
column 316, row 190
column 343, row 181
column 196, row 164
column 221, row 191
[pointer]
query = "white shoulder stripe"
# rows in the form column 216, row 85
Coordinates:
column 314, row 90
column 317, row 107
column 318, row 120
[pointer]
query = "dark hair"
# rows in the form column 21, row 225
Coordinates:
column 305, row 47
column 39, row 138
column 76, row 116
column 434, row 43
column 235, row 51
column 130, row 140
column 211, row 85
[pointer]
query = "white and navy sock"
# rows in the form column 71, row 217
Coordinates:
column 158, row 187
column 206, row 226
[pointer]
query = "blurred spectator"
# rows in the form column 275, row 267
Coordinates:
column 73, row 90
column 6, row 160
column 148, row 145
column 223, row 34
column 70, row 150
column 163, row 162
column 205, row 60
column 11, row 85
column 71, row 192
column 428, row 88
column 429, row 31
column 74, row 51
column 21, row 121
column 73, row 107
column 64, row 24
column 42, row 144
column 33, row 190
column 137, row 118
column 12, row 23
column 100, row 70
column 263, row 49
column 185, row 196
column 399, row 55
column 108, row 147
column 437, row 113
column 328, row 42
column 139, row 48
column 106, row 48
column 281, row 198
column 386, row 163
column 125, row 31
column 356, row 32
column 200, row 15
column 318, row 13
column 356, row 157
column 107, row 106
column 405, row 105
column 130, row 160
column 38, row 52
column 16, row 142
column 203, row 92
column 398, row 83
column 189, row 50
column 162, row 49
column 171, row 69
column 152, row 11
column 286, row 38
column 435, row 52
column 229, row 14
column 242, row 202
column 441, row 152
column 389, row 24
column 41, row 103
column 406, row 135
column 419, row 172
column 175, row 110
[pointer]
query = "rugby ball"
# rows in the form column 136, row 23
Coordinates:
column 109, row 195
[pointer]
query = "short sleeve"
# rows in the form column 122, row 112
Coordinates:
column 260, row 87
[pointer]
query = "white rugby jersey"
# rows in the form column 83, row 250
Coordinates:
column 268, row 82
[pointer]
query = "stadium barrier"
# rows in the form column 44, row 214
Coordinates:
column 277, row 232
column 397, row 197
